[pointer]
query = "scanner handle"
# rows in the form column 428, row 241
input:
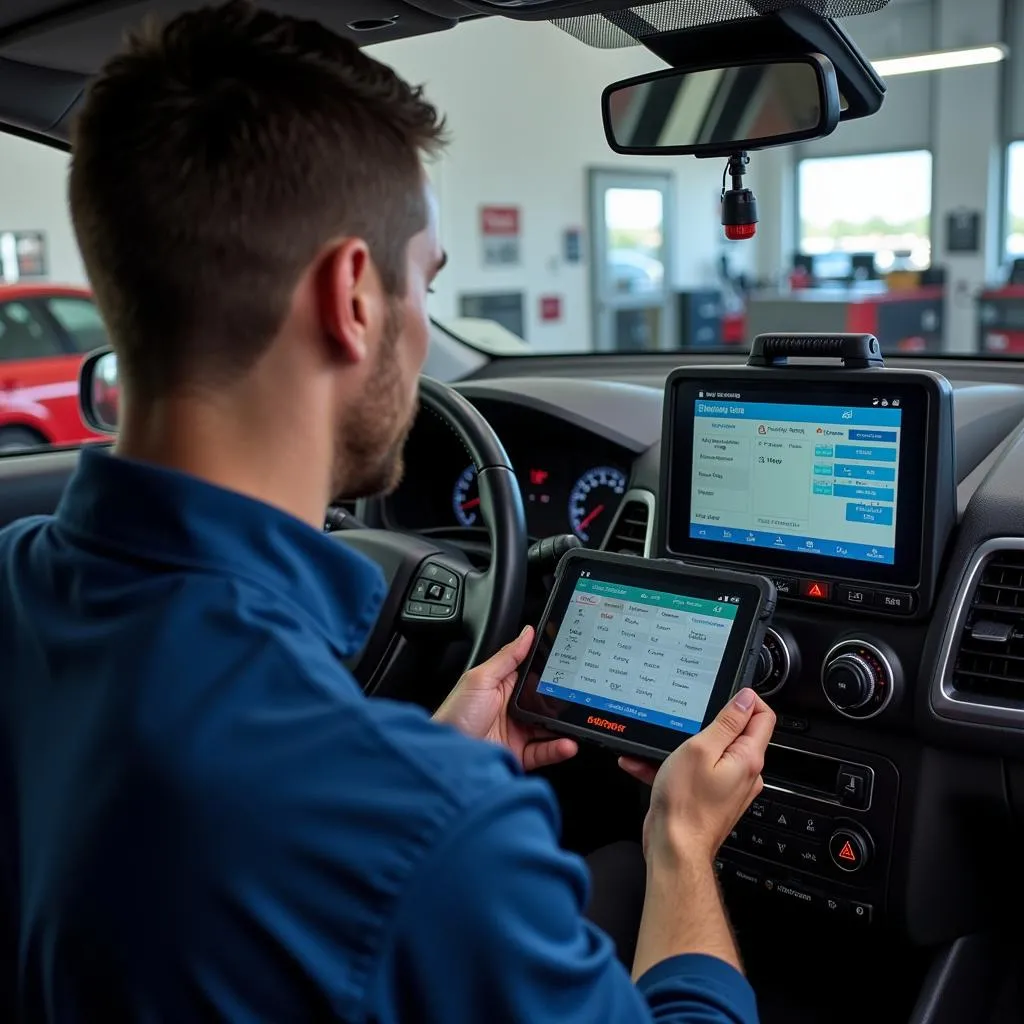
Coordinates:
column 857, row 351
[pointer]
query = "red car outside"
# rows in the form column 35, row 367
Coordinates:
column 45, row 331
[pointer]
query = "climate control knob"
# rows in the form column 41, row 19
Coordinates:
column 776, row 662
column 859, row 677
column 849, row 682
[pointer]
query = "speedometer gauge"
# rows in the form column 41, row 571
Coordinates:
column 466, row 498
column 593, row 501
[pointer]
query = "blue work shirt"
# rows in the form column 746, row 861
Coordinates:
column 202, row 817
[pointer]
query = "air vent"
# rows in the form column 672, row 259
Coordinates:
column 989, row 661
column 630, row 534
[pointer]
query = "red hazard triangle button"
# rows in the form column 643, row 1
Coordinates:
column 849, row 850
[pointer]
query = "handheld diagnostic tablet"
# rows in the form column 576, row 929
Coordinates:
column 638, row 654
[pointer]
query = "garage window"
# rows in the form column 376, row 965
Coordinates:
column 878, row 203
column 23, row 335
column 1015, row 202
column 81, row 320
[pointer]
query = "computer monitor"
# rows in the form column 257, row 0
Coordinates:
column 863, row 266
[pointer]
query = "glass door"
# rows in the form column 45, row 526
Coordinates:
column 630, row 219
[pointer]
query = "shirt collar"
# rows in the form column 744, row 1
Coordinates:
column 161, row 515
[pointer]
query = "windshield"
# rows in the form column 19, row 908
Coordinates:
column 906, row 225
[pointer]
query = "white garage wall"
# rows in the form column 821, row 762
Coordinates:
column 523, row 104
column 33, row 181
column 523, row 107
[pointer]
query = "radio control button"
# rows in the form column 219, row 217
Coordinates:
column 849, row 850
column 797, row 894
column 759, row 808
column 834, row 905
column 894, row 603
column 808, row 856
column 786, row 586
column 783, row 817
column 855, row 597
column 813, row 826
column 759, row 841
column 745, row 876
column 860, row 911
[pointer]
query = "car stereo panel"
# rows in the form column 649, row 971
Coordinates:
column 839, row 484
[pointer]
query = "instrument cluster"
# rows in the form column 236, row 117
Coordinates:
column 574, row 485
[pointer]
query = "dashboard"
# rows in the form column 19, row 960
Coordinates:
column 899, row 688
column 571, row 480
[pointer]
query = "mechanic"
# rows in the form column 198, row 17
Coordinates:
column 205, row 818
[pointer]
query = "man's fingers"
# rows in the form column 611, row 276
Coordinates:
column 549, row 752
column 729, row 723
column 642, row 770
column 751, row 745
column 507, row 661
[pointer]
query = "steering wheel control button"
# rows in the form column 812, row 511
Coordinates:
column 439, row 574
column 849, row 850
column 859, row 678
column 434, row 595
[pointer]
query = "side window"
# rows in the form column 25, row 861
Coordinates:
column 81, row 319
column 23, row 335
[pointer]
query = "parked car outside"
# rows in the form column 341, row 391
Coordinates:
column 45, row 331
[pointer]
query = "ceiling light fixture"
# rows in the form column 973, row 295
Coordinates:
column 941, row 60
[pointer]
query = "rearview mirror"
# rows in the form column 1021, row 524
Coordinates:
column 98, row 391
column 717, row 111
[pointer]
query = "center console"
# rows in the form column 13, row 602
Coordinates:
column 837, row 481
column 819, row 477
column 820, row 835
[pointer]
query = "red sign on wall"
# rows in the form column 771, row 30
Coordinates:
column 551, row 308
column 499, row 220
column 499, row 233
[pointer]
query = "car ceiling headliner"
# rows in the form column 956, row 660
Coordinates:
column 48, row 48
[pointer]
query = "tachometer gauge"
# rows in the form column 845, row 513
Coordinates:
column 593, row 500
column 466, row 498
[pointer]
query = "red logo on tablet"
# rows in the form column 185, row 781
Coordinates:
column 603, row 723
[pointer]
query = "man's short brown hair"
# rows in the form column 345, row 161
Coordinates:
column 213, row 159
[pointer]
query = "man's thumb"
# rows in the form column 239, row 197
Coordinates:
column 732, row 719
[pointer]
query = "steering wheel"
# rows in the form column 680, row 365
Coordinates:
column 435, row 595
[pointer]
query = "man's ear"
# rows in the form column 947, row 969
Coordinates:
column 348, row 298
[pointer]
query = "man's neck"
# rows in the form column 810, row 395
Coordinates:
column 237, row 447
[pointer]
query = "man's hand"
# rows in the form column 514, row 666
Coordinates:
column 705, row 785
column 478, row 707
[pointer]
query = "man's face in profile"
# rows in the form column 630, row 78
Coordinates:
column 371, row 434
